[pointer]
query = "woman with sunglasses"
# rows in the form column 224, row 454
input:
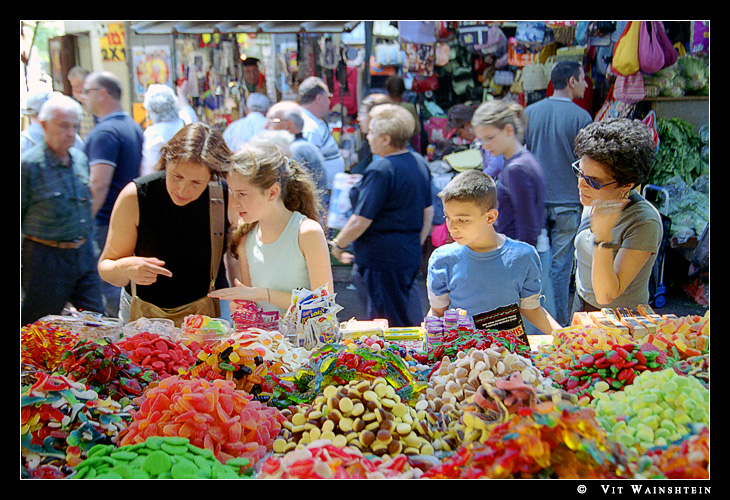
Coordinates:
column 620, row 235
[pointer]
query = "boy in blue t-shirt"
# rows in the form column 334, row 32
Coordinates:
column 483, row 270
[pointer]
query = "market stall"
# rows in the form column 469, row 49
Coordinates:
column 618, row 395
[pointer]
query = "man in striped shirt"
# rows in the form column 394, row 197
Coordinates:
column 58, row 264
column 314, row 99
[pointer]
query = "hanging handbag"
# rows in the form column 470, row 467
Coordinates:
column 205, row 305
column 651, row 53
column 626, row 52
column 630, row 88
column 534, row 77
column 670, row 53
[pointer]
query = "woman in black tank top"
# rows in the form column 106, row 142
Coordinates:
column 160, row 231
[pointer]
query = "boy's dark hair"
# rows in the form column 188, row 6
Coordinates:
column 472, row 186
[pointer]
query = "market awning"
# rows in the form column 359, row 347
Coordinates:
column 200, row 27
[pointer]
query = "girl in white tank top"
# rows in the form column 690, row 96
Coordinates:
column 278, row 241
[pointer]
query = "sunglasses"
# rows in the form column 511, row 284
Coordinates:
column 589, row 180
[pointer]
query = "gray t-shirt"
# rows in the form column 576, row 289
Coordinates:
column 639, row 228
column 552, row 126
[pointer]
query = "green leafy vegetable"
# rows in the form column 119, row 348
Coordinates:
column 679, row 152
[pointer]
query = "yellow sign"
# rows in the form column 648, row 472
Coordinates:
column 113, row 44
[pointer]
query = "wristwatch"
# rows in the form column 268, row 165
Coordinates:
column 606, row 244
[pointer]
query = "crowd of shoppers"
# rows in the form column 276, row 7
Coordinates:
column 180, row 218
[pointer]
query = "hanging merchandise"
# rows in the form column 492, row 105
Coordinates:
column 670, row 53
column 462, row 80
column 473, row 35
column 519, row 54
column 389, row 54
column 345, row 89
column 651, row 53
column 446, row 30
column 629, row 88
column 535, row 76
column 495, row 42
column 626, row 52
column 597, row 33
column 531, row 32
column 503, row 77
column 422, row 83
column 377, row 69
column 563, row 31
column 443, row 54
column 420, row 58
column 420, row 32
column 614, row 108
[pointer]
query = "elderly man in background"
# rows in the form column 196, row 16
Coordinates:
column 33, row 133
column 314, row 98
column 58, row 264
column 243, row 129
column 287, row 115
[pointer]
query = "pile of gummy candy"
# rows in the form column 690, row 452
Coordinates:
column 594, row 404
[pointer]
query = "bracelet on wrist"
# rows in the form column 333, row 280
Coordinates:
column 334, row 242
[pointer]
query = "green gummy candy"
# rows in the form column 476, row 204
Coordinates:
column 645, row 433
column 176, row 440
column 154, row 442
column 626, row 439
column 203, row 452
column 123, row 470
column 99, row 449
column 138, row 474
column 238, row 462
column 157, row 463
column 699, row 414
column 122, row 454
column 662, row 432
column 110, row 474
column 668, row 424
column 184, row 469
column 174, row 449
column 669, row 386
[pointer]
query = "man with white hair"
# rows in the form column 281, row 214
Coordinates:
column 33, row 133
column 243, row 129
column 287, row 115
column 58, row 264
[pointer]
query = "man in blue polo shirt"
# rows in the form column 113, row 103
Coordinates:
column 114, row 149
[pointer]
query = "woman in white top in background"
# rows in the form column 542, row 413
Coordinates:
column 163, row 110
column 278, row 242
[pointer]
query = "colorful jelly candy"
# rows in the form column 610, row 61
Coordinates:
column 164, row 356
column 321, row 459
column 212, row 414
column 61, row 420
column 655, row 410
column 159, row 458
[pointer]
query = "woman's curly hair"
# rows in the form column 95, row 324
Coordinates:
column 623, row 146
